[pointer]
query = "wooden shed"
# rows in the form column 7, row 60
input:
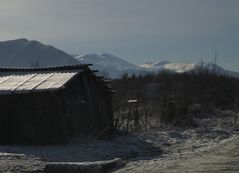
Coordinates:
column 51, row 105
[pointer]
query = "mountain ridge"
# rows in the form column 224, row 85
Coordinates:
column 107, row 64
column 28, row 53
column 31, row 53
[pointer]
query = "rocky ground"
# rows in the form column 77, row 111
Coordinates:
column 212, row 147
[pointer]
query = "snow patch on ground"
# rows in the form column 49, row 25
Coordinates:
column 149, row 150
column 178, row 143
column 22, row 158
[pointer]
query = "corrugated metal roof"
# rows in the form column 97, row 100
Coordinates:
column 23, row 80
column 33, row 81
column 54, row 68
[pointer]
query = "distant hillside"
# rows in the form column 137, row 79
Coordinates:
column 25, row 53
column 166, row 65
column 109, row 64
column 114, row 66
column 187, row 67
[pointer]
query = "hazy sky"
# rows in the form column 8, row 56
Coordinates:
column 136, row 30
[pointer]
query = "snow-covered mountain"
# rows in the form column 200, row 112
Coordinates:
column 114, row 66
column 187, row 67
column 166, row 65
column 109, row 65
column 25, row 53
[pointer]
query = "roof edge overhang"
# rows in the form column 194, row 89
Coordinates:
column 85, row 67
column 49, row 68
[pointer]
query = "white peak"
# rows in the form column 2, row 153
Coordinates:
column 115, row 66
column 154, row 64
column 179, row 67
column 161, row 63
column 167, row 65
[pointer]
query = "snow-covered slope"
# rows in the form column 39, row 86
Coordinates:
column 166, row 65
column 25, row 53
column 187, row 67
column 109, row 64
column 154, row 65
column 113, row 66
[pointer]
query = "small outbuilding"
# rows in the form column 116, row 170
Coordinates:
column 51, row 105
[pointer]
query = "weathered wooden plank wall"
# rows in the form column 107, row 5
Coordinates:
column 83, row 106
column 31, row 118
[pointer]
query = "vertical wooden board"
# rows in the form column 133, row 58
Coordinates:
column 96, row 115
column 100, row 101
column 72, row 113
column 90, row 102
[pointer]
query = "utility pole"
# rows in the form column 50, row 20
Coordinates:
column 215, row 63
column 215, row 58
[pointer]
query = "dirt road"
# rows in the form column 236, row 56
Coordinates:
column 224, row 158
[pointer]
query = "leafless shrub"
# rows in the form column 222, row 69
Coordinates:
column 170, row 98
